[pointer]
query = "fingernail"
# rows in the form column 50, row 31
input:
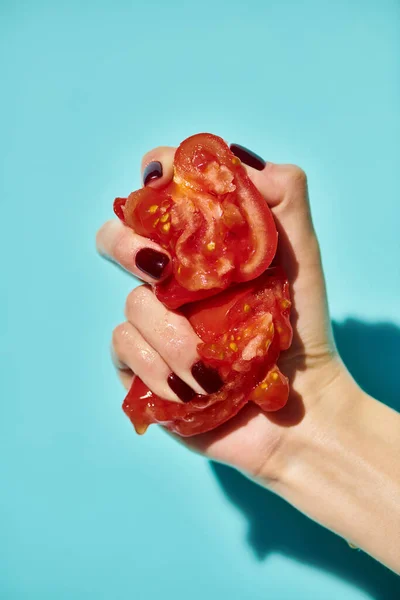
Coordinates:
column 181, row 389
column 151, row 262
column 248, row 157
column 152, row 171
column 207, row 377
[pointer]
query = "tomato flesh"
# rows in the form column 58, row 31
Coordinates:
column 222, row 238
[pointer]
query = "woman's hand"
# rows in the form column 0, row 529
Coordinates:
column 332, row 451
column 155, row 342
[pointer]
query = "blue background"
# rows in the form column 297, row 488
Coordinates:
column 87, row 509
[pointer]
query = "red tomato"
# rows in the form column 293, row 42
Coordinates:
column 222, row 238
column 241, row 338
column 211, row 218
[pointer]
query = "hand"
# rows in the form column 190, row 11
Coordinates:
column 332, row 442
column 154, row 341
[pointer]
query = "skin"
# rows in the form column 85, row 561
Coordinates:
column 331, row 441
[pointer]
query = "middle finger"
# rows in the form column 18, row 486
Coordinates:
column 173, row 337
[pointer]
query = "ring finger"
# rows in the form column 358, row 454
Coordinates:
column 131, row 351
column 173, row 337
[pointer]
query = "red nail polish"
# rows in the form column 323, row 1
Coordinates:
column 181, row 389
column 151, row 262
column 207, row 377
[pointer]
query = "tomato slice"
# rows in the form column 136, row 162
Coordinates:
column 212, row 219
column 243, row 331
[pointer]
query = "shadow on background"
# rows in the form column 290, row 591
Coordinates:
column 372, row 354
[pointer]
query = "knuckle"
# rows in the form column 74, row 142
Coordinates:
column 150, row 363
column 107, row 236
column 297, row 176
column 118, row 336
column 179, row 348
column 118, row 249
column 135, row 299
column 101, row 232
column 121, row 245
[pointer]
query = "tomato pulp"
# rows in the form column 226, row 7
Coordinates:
column 222, row 238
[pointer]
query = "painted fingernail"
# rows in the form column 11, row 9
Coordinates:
column 181, row 389
column 151, row 262
column 248, row 157
column 207, row 377
column 152, row 171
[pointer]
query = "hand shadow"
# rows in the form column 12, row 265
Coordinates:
column 372, row 354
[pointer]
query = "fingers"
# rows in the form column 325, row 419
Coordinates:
column 138, row 255
column 284, row 187
column 172, row 336
column 130, row 350
column 158, row 166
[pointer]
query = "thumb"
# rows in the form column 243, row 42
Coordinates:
column 284, row 187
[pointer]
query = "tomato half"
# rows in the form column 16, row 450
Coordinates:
column 242, row 331
column 212, row 219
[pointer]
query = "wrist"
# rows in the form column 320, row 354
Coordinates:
column 322, row 404
column 341, row 469
column 332, row 423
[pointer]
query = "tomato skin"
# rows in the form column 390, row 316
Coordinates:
column 211, row 218
column 143, row 409
column 119, row 204
column 173, row 295
column 255, row 379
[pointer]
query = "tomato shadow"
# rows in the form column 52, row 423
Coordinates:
column 372, row 354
